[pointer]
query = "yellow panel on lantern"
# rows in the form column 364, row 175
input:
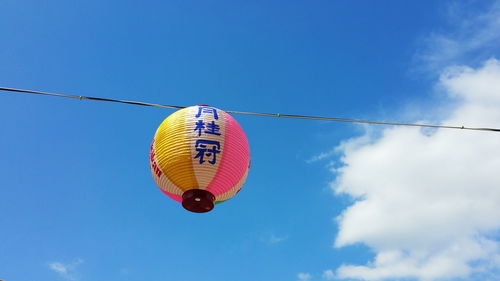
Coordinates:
column 173, row 151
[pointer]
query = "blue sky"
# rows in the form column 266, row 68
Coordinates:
column 77, row 200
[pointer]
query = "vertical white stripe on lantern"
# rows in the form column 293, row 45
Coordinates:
column 205, row 171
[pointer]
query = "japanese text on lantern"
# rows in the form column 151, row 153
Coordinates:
column 207, row 149
column 152, row 160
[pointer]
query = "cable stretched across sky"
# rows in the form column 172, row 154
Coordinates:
column 12, row 90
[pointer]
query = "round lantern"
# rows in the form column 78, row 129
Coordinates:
column 200, row 157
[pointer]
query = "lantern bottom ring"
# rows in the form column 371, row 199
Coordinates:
column 198, row 200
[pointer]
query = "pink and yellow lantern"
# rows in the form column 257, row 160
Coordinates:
column 200, row 157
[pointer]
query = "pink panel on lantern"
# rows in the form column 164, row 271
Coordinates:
column 173, row 196
column 235, row 158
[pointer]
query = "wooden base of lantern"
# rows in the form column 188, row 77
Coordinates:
column 198, row 200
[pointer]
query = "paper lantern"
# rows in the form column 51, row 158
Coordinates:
column 200, row 157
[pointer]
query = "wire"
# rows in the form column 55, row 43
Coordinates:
column 253, row 113
column 89, row 98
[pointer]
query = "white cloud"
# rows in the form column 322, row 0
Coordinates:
column 304, row 276
column 472, row 37
column 58, row 267
column 428, row 204
column 321, row 156
column 328, row 274
column 273, row 239
column 66, row 271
